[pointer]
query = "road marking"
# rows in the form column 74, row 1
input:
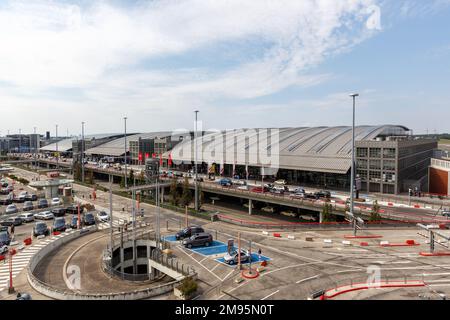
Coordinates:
column 268, row 296
column 307, row 279
column 228, row 275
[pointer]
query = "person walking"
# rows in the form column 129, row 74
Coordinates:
column 259, row 254
column 12, row 231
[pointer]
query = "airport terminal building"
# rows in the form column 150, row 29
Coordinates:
column 388, row 158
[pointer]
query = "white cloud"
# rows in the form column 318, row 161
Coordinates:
column 97, row 48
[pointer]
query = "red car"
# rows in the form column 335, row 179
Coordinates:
column 259, row 189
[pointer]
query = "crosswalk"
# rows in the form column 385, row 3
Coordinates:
column 21, row 259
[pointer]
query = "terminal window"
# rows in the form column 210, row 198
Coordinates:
column 361, row 152
column 375, row 164
column 375, row 152
column 389, row 153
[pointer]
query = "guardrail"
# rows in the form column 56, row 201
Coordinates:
column 59, row 294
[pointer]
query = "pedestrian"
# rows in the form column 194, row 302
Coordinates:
column 259, row 254
column 12, row 230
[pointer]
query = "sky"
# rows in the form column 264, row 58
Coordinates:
column 253, row 63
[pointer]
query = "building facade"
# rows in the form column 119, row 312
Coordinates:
column 392, row 165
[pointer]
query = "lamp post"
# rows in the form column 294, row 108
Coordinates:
column 35, row 147
column 82, row 151
column 352, row 175
column 195, row 162
column 57, row 154
column 125, row 154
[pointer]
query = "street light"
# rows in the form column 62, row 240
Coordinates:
column 352, row 175
column 57, row 154
column 195, row 162
column 82, row 151
column 125, row 154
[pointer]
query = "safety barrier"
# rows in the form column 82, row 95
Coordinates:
column 59, row 294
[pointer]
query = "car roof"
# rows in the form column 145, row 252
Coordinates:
column 202, row 234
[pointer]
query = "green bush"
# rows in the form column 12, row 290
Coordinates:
column 188, row 287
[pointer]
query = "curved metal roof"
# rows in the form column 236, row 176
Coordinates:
column 116, row 147
column 322, row 149
column 65, row 145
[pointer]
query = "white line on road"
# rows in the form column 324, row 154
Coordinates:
column 307, row 279
column 268, row 296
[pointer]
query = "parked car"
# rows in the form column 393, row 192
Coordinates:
column 31, row 197
column 280, row 182
column 56, row 202
column 43, row 203
column 28, row 206
column 5, row 238
column 58, row 212
column 73, row 224
column 269, row 209
column 446, row 213
column 103, row 216
column 3, row 249
column 27, row 217
column 189, row 231
column 5, row 201
column 73, row 209
column 198, row 240
column 12, row 208
column 23, row 296
column 59, row 224
column 40, row 228
column 20, row 198
column 225, row 182
column 13, row 221
column 89, row 219
column 233, row 257
column 44, row 215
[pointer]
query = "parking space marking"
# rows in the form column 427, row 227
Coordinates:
column 181, row 249
column 268, row 296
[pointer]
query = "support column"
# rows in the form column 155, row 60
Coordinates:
column 320, row 217
column 162, row 195
column 250, row 204
column 121, row 259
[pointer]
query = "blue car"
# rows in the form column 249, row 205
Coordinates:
column 225, row 182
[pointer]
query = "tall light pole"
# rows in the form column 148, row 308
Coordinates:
column 352, row 175
column 57, row 154
column 125, row 154
column 195, row 162
column 20, row 140
column 82, row 151
column 35, row 147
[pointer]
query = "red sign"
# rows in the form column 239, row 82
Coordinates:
column 147, row 155
column 170, row 159
column 140, row 156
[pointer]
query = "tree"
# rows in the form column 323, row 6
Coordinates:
column 201, row 198
column 131, row 178
column 186, row 196
column 326, row 213
column 90, row 177
column 174, row 197
column 77, row 171
column 375, row 213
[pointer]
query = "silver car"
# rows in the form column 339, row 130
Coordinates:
column 231, row 258
column 12, row 208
